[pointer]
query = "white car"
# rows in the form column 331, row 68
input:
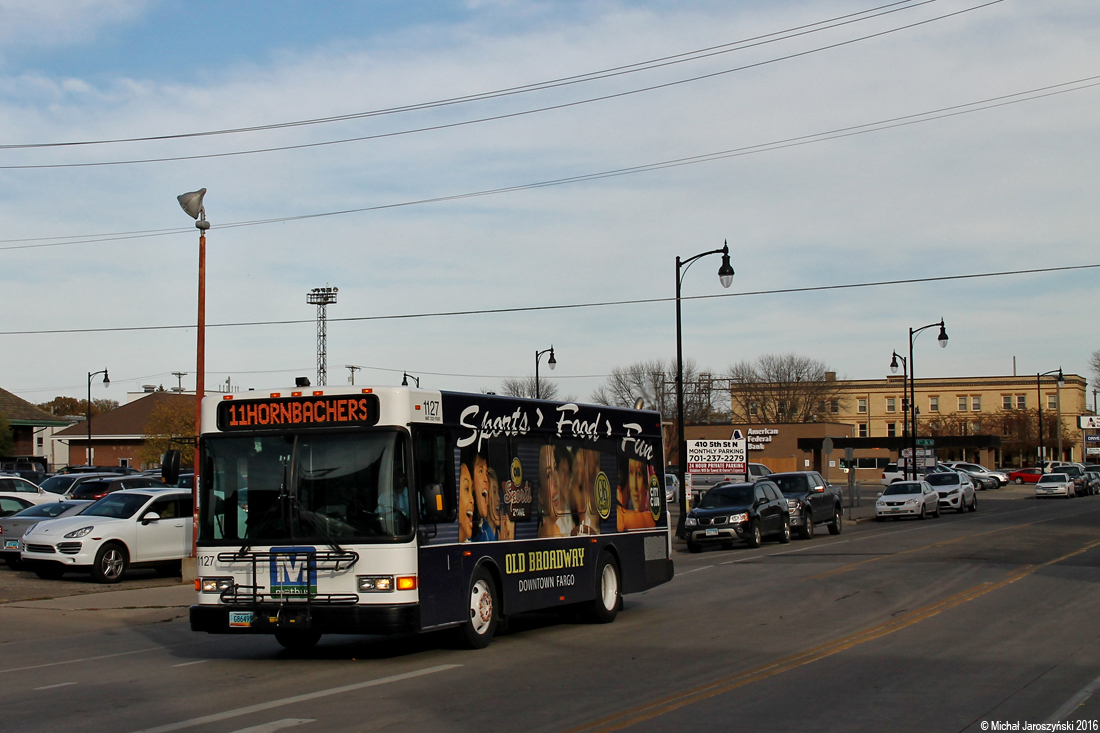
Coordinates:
column 907, row 499
column 955, row 489
column 20, row 488
column 1001, row 476
column 1054, row 484
column 672, row 488
column 130, row 528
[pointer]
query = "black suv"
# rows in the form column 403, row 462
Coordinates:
column 730, row 512
column 811, row 501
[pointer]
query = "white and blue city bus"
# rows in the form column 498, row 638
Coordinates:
column 354, row 510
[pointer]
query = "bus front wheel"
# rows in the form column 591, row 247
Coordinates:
column 608, row 599
column 296, row 640
column 483, row 613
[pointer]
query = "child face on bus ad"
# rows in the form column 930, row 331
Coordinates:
column 465, row 505
column 481, row 486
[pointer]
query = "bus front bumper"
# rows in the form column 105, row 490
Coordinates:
column 267, row 618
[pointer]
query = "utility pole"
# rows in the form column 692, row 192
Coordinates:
column 322, row 297
column 179, row 380
column 353, row 369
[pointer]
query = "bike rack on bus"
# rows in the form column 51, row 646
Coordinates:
column 254, row 594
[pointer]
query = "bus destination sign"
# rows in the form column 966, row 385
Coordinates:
column 278, row 413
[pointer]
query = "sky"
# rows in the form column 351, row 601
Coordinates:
column 838, row 142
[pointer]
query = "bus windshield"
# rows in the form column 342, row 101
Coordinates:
column 296, row 488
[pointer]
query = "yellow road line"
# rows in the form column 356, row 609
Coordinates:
column 648, row 711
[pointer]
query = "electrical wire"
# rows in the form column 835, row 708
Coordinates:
column 865, row 128
column 510, row 115
column 525, row 88
column 564, row 306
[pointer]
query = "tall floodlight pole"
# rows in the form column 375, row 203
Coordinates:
column 942, row 338
column 725, row 276
column 192, row 204
column 322, row 297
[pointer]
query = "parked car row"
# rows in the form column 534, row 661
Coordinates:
column 127, row 527
column 927, row 497
column 776, row 505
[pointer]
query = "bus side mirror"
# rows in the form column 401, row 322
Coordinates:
column 433, row 508
column 170, row 467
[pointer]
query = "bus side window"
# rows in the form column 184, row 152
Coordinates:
column 434, row 461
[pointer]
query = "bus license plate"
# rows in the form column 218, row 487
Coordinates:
column 711, row 532
column 11, row 544
column 240, row 619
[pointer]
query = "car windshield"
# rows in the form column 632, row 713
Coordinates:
column 1054, row 478
column 119, row 505
column 792, row 484
column 58, row 484
column 54, row 509
column 332, row 487
column 902, row 488
column 90, row 488
column 1074, row 471
column 943, row 479
column 727, row 496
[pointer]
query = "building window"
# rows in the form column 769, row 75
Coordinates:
column 863, row 430
column 834, row 406
column 1006, row 402
column 891, row 404
column 754, row 407
column 891, row 430
column 124, row 462
column 862, row 406
column 1021, row 402
column 41, row 441
column 1052, row 402
column 963, row 402
column 933, row 404
column 976, row 403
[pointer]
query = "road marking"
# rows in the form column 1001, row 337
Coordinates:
column 188, row 664
column 1074, row 702
column 276, row 725
column 686, row 572
column 85, row 659
column 59, row 684
column 648, row 711
column 296, row 699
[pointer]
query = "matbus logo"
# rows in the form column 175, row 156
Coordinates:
column 293, row 571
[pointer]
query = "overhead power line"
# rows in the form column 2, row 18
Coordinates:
column 538, row 110
column 861, row 129
column 564, row 306
column 647, row 65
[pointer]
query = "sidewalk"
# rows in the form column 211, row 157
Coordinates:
column 53, row 617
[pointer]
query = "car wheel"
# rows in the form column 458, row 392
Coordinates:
column 785, row 535
column 110, row 564
column 295, row 640
column 481, row 623
column 1018, row 480
column 49, row 571
column 754, row 539
column 936, row 514
column 608, row 599
column 694, row 547
column 837, row 525
column 807, row 531
column 14, row 562
column 962, row 502
column 974, row 505
column 923, row 512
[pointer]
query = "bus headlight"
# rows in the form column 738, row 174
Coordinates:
column 374, row 583
column 216, row 585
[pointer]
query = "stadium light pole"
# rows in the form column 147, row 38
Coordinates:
column 106, row 383
column 191, row 203
column 551, row 362
column 942, row 338
column 1039, row 410
column 725, row 276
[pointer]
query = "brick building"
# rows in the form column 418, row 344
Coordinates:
column 118, row 435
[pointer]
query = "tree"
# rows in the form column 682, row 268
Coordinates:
column 525, row 387
column 73, row 406
column 654, row 381
column 781, row 388
column 1094, row 364
column 7, row 440
column 167, row 425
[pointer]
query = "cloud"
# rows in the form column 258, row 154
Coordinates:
column 62, row 22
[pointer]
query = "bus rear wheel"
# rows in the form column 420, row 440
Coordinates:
column 605, row 607
column 481, row 623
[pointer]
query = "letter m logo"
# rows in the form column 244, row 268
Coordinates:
column 293, row 571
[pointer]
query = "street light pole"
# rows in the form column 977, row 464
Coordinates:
column 725, row 276
column 106, row 383
column 551, row 362
column 192, row 204
column 905, row 406
column 942, row 338
column 1039, row 410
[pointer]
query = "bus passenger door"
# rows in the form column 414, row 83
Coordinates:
column 442, row 584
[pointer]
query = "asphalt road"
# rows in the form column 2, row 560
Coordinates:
column 940, row 625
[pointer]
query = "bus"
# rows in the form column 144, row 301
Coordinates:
column 377, row 510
